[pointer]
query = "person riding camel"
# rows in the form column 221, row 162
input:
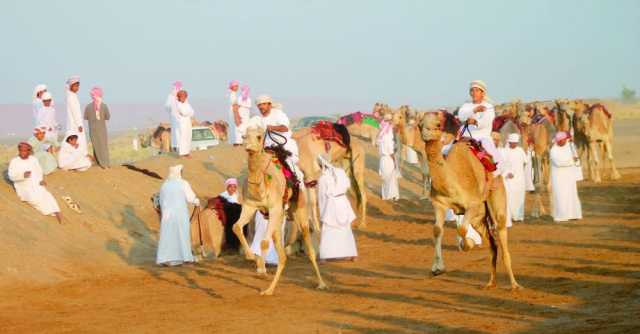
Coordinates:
column 276, row 122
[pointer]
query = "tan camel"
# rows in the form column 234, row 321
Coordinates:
column 266, row 189
column 593, row 128
column 562, row 114
column 352, row 160
column 405, row 122
column 460, row 182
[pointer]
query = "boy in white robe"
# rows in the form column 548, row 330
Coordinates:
column 28, row 180
column 36, row 102
column 74, row 113
column 564, row 190
column 71, row 156
column 515, row 161
column 174, row 245
column 43, row 150
column 46, row 118
column 184, row 113
column 336, row 214
column 387, row 168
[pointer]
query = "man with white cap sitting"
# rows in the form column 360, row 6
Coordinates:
column 276, row 121
column 478, row 115
column 515, row 160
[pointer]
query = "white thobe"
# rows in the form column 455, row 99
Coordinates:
column 36, row 104
column 29, row 189
column 275, row 118
column 564, row 191
column 336, row 215
column 515, row 160
column 261, row 226
column 245, row 113
column 528, row 172
column 174, row 245
column 185, row 112
column 72, row 158
column 172, row 110
column 412, row 156
column 46, row 118
column 234, row 131
column 75, row 120
column 482, row 130
column 387, row 168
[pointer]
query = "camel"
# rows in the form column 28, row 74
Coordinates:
column 460, row 182
column 562, row 114
column 266, row 189
column 351, row 159
column 593, row 128
column 404, row 121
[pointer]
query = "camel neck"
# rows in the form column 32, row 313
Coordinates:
column 437, row 165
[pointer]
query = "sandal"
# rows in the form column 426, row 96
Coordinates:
column 72, row 204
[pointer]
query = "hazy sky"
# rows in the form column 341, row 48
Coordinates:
column 421, row 53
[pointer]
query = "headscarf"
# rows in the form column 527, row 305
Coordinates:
column 233, row 83
column 177, row 85
column 175, row 172
column 244, row 92
column 38, row 89
column 560, row 136
column 481, row 86
column 96, row 96
column 230, row 181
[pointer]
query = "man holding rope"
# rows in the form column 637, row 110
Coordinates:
column 174, row 247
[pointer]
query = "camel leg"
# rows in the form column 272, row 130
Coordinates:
column 615, row 175
column 357, row 161
column 303, row 225
column 424, row 168
column 275, row 233
column 471, row 215
column 593, row 146
column 245, row 217
column 438, row 231
column 506, row 257
column 312, row 195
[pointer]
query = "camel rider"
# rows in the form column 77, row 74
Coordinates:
column 478, row 115
column 275, row 120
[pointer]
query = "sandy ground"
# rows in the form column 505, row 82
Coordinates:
column 96, row 273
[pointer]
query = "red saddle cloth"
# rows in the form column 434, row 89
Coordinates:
column 500, row 121
column 326, row 131
column 481, row 154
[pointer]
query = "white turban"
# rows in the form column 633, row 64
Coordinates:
column 175, row 172
column 514, row 138
column 46, row 96
column 263, row 99
column 38, row 89
column 478, row 84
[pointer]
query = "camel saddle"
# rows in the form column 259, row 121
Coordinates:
column 280, row 161
column 606, row 112
column 332, row 132
column 481, row 154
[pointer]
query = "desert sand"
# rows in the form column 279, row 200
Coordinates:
column 96, row 273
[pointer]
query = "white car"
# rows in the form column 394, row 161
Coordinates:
column 203, row 138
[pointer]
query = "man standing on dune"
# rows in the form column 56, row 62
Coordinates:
column 184, row 114
column 75, row 123
column 171, row 107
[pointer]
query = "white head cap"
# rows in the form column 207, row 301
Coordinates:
column 46, row 96
column 175, row 172
column 478, row 84
column 38, row 89
column 263, row 99
column 514, row 138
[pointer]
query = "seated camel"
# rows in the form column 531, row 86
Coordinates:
column 266, row 189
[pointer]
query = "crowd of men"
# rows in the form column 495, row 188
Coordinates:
column 42, row 155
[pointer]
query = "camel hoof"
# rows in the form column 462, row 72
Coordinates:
column 267, row 292
column 362, row 227
column 322, row 286
column 516, row 287
column 489, row 286
column 438, row 272
column 250, row 257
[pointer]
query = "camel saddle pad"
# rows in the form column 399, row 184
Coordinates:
column 481, row 154
column 326, row 130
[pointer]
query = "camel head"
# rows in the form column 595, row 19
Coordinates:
column 432, row 125
column 254, row 138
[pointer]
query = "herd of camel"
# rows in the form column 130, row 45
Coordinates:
column 459, row 181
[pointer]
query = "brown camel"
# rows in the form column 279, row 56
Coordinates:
column 266, row 190
column 593, row 128
column 562, row 114
column 460, row 182
column 351, row 159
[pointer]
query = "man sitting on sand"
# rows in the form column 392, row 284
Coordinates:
column 28, row 180
column 43, row 150
column 72, row 156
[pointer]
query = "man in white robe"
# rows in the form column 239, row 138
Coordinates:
column 564, row 190
column 478, row 116
column 515, row 161
column 172, row 109
column 387, row 168
column 235, row 137
column 174, row 245
column 46, row 118
column 336, row 214
column 74, row 113
column 28, row 180
column 184, row 113
column 71, row 156
column 36, row 102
